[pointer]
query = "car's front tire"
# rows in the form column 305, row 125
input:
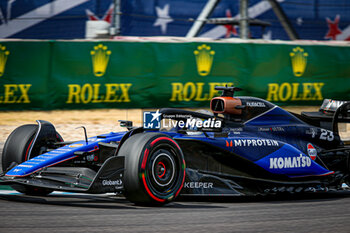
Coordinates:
column 16, row 151
column 154, row 169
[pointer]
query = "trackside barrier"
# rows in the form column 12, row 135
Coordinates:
column 149, row 74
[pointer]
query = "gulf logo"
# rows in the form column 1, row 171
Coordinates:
column 311, row 151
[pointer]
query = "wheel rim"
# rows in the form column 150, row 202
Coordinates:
column 163, row 169
column 163, row 172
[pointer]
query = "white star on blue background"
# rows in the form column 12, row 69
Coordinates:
column 163, row 18
column 156, row 115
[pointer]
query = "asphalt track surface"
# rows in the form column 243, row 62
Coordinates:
column 68, row 212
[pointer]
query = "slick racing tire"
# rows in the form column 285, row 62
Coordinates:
column 154, row 169
column 16, row 151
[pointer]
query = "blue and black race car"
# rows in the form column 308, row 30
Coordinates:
column 245, row 146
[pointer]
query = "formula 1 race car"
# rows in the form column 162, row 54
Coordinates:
column 245, row 146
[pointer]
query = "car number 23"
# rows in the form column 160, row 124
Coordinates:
column 326, row 135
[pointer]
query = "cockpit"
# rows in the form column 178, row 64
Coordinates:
column 238, row 109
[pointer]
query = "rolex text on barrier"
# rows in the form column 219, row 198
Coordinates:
column 139, row 74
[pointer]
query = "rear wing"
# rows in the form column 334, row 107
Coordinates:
column 330, row 114
column 330, row 106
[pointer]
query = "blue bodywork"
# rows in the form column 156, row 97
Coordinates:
column 275, row 140
column 61, row 154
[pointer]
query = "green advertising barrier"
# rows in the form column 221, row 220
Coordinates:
column 24, row 75
column 119, row 74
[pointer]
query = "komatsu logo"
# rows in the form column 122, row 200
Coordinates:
column 256, row 142
column 290, row 162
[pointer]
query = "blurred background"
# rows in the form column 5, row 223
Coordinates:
column 80, row 19
column 116, row 55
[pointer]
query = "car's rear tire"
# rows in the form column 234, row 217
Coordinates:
column 154, row 169
column 16, row 151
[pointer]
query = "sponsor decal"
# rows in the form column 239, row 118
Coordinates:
column 299, row 61
column 39, row 160
column 4, row 53
column 311, row 151
column 75, row 145
column 54, row 153
column 92, row 93
column 277, row 129
column 118, row 182
column 23, row 165
column 100, row 57
column 31, row 162
column 264, row 129
column 326, row 135
column 15, row 94
column 63, row 149
column 294, row 91
column 290, row 162
column 255, row 142
column 312, row 132
column 196, row 185
column 256, row 104
column 152, row 120
column 274, row 129
column 195, row 91
column 236, row 130
column 90, row 157
column 204, row 59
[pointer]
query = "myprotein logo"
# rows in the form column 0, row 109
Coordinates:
column 255, row 142
column 290, row 162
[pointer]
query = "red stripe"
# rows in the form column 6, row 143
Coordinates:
column 149, row 191
column 165, row 138
column 164, row 169
column 26, row 156
column 143, row 165
column 325, row 174
column 95, row 149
